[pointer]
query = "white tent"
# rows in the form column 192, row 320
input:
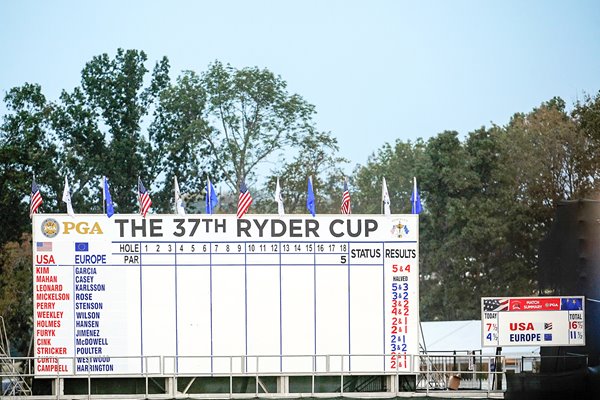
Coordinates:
column 448, row 336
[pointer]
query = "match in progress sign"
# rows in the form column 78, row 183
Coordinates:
column 533, row 321
column 205, row 294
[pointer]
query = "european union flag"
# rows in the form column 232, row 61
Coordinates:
column 571, row 303
column 310, row 199
column 82, row 246
column 110, row 210
column 415, row 200
column 211, row 198
column 548, row 337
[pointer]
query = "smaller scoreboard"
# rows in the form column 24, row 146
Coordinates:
column 532, row 321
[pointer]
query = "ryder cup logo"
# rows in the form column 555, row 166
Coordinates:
column 50, row 227
column 400, row 228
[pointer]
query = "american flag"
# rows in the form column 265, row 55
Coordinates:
column 500, row 304
column 44, row 246
column 36, row 198
column 244, row 201
column 345, row 199
column 144, row 197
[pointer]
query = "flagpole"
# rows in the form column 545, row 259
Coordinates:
column 381, row 202
column 414, row 204
column 207, row 194
column 103, row 195
column 138, row 194
column 382, row 199
column 415, row 184
column 30, row 213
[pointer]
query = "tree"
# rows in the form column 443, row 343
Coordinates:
column 472, row 229
column 447, row 180
column 250, row 117
column 586, row 115
column 488, row 200
column 100, row 125
column 179, row 131
column 316, row 157
column 16, row 292
column 95, row 130
column 27, row 147
column 498, row 257
column 550, row 160
column 82, row 149
column 223, row 123
column 398, row 164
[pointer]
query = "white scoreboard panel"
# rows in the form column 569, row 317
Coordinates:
column 164, row 294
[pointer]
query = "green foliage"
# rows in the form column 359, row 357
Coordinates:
column 488, row 200
column 251, row 117
column 110, row 107
column 16, row 291
column 179, row 132
column 552, row 156
column 586, row 115
column 224, row 124
column 27, row 147
column 398, row 164
column 317, row 157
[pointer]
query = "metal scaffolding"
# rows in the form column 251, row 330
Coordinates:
column 14, row 380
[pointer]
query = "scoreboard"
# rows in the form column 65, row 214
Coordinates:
column 207, row 294
column 533, row 321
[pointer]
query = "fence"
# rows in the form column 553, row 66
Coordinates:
column 163, row 377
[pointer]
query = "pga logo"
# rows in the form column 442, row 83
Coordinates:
column 83, row 228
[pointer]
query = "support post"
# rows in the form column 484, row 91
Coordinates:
column 283, row 384
column 58, row 387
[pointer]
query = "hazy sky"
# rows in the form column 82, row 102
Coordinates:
column 375, row 70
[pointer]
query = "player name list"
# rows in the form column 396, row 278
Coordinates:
column 110, row 303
